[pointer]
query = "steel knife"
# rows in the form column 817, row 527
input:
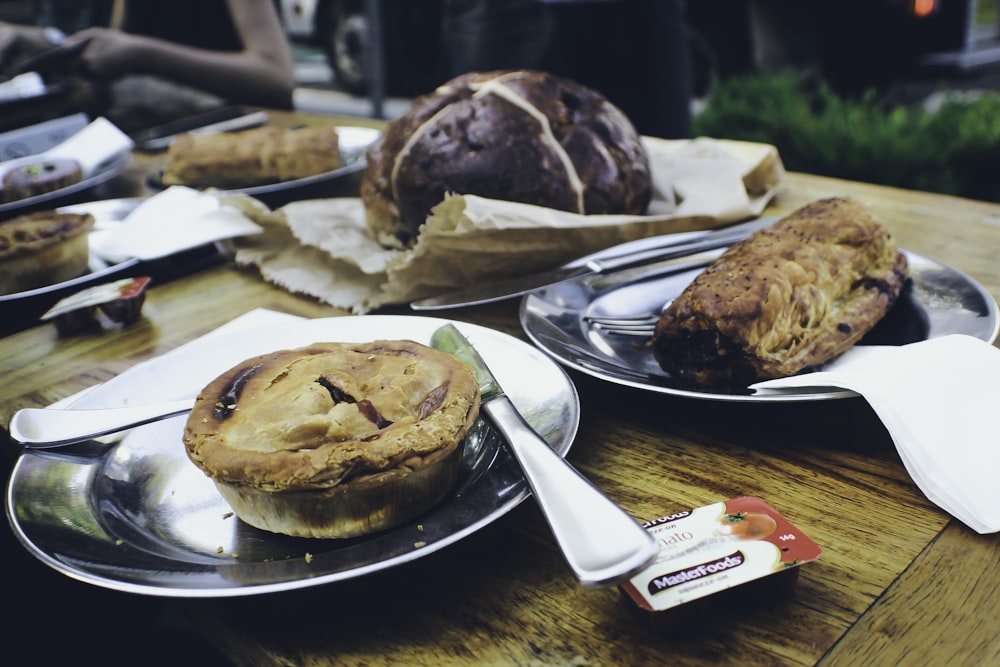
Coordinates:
column 518, row 285
column 601, row 543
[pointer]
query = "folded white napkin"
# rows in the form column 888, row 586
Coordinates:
column 937, row 400
column 148, row 382
column 94, row 147
column 176, row 219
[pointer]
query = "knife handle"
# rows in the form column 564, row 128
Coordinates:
column 601, row 543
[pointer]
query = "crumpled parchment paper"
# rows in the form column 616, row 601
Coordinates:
column 322, row 248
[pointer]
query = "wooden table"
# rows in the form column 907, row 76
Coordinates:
column 899, row 581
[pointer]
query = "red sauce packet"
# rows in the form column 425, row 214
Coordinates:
column 712, row 554
column 119, row 302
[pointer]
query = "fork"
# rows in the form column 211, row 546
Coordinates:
column 634, row 325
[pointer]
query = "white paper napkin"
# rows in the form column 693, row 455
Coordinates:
column 94, row 147
column 938, row 400
column 179, row 218
column 198, row 358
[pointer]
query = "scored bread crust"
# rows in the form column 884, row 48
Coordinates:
column 43, row 248
column 515, row 135
column 257, row 156
column 789, row 297
column 334, row 439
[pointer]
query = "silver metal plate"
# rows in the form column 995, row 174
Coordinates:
column 138, row 516
column 939, row 300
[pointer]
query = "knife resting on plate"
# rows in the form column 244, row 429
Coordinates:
column 601, row 543
column 648, row 253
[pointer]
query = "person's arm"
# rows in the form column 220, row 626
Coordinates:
column 21, row 41
column 261, row 73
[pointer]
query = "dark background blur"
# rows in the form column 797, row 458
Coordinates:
column 901, row 48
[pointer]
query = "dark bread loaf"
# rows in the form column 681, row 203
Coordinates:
column 520, row 136
column 789, row 297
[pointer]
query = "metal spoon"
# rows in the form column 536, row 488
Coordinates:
column 43, row 428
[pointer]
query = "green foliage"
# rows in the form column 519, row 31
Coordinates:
column 954, row 149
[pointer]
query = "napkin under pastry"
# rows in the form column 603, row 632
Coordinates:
column 323, row 248
column 176, row 219
column 937, row 399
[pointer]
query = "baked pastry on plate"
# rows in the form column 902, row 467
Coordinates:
column 790, row 297
column 43, row 248
column 335, row 440
column 258, row 156
column 38, row 178
column 520, row 135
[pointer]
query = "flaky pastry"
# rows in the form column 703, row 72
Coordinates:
column 335, row 439
column 258, row 156
column 790, row 297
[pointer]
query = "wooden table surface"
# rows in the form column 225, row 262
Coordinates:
column 899, row 581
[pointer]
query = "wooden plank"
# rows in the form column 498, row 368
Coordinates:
column 941, row 611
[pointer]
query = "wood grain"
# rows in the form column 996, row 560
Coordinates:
column 898, row 583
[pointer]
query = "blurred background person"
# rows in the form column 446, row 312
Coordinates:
column 635, row 52
column 158, row 61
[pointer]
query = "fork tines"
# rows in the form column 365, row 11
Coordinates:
column 638, row 325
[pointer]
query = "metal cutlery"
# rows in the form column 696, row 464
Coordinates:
column 641, row 326
column 43, row 428
column 601, row 543
column 670, row 248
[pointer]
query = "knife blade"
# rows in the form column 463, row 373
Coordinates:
column 519, row 285
column 600, row 542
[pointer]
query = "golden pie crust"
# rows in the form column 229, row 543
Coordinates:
column 258, row 156
column 43, row 248
column 335, row 440
column 789, row 297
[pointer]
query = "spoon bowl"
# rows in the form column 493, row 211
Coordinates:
column 44, row 428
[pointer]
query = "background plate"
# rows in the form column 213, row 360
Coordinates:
column 939, row 300
column 51, row 199
column 140, row 517
column 20, row 310
column 354, row 141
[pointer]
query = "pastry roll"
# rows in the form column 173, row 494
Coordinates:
column 258, row 156
column 789, row 297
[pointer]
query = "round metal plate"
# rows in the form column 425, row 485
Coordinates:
column 939, row 300
column 138, row 516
